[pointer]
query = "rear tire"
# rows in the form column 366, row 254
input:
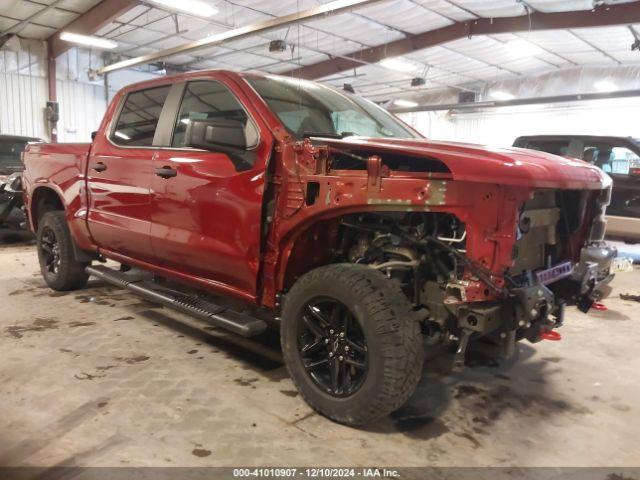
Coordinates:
column 372, row 346
column 60, row 269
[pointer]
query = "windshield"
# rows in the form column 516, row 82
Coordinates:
column 310, row 109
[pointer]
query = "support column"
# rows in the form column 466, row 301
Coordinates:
column 52, row 109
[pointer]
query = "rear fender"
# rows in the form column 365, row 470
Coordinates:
column 48, row 197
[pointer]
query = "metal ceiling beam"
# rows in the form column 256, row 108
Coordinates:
column 90, row 22
column 577, row 97
column 604, row 15
column 321, row 11
column 307, row 47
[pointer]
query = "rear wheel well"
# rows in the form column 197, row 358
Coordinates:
column 44, row 200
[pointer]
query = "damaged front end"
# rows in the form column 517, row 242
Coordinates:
column 459, row 299
column 560, row 259
column 485, row 263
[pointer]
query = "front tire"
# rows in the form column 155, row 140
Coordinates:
column 351, row 343
column 60, row 269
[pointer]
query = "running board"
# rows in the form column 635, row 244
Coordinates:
column 218, row 316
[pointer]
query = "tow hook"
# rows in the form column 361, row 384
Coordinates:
column 599, row 306
column 551, row 335
column 458, row 360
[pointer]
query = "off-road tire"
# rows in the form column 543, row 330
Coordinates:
column 70, row 274
column 392, row 334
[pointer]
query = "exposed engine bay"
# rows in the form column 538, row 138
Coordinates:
column 458, row 300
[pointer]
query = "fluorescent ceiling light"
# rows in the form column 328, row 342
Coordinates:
column 405, row 103
column 399, row 64
column 522, row 48
column 194, row 7
column 500, row 95
column 605, row 86
column 87, row 40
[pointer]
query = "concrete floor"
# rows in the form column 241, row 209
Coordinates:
column 100, row 377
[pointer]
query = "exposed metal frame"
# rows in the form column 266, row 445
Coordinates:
column 332, row 8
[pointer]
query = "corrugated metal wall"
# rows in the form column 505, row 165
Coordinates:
column 23, row 93
column 23, row 90
column 81, row 109
column 22, row 101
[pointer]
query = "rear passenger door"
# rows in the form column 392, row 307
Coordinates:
column 207, row 214
column 120, row 173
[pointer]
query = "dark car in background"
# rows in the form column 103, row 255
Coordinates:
column 617, row 156
column 11, row 148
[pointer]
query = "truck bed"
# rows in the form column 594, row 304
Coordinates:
column 62, row 168
column 55, row 162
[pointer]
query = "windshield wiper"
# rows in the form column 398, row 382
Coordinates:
column 327, row 134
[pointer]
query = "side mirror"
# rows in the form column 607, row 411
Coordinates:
column 216, row 133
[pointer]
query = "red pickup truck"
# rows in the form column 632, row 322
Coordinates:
column 365, row 242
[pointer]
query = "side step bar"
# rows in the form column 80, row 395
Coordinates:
column 218, row 316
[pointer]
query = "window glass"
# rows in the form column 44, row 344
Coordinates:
column 623, row 159
column 556, row 147
column 208, row 100
column 616, row 160
column 307, row 108
column 139, row 117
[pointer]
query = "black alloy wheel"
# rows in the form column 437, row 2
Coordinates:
column 332, row 346
column 351, row 342
column 60, row 268
column 50, row 250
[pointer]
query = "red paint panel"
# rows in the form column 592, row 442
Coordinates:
column 120, row 198
column 59, row 168
column 505, row 166
column 206, row 219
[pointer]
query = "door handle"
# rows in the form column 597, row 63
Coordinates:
column 166, row 172
column 99, row 167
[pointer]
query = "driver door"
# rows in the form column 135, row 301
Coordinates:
column 207, row 204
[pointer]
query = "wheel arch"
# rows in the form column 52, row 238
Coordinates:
column 44, row 199
column 299, row 246
column 47, row 198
